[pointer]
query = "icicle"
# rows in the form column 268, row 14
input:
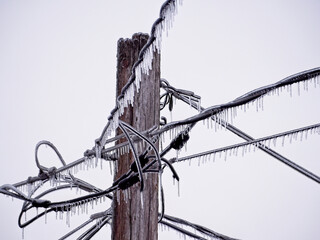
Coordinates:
column 138, row 76
column 86, row 206
column 291, row 135
column 22, row 233
column 243, row 150
column 178, row 188
column 215, row 122
column 141, row 199
column 295, row 136
column 91, row 203
column 236, row 151
column 68, row 217
column 269, row 141
column 306, row 136
column 118, row 196
column 125, row 195
column 208, row 123
column 257, row 105
column 249, row 147
column 307, row 85
column 110, row 165
column 274, row 142
column 301, row 135
column 255, row 145
column 290, row 89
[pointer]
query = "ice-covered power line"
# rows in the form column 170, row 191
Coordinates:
column 227, row 111
column 223, row 111
column 198, row 231
column 265, row 142
column 195, row 104
column 69, row 206
column 218, row 112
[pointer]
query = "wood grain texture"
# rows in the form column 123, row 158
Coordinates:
column 131, row 220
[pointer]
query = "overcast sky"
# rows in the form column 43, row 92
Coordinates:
column 58, row 74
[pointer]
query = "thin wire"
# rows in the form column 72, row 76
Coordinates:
column 197, row 227
column 92, row 217
column 76, row 229
column 251, row 142
column 257, row 142
column 94, row 229
column 181, row 230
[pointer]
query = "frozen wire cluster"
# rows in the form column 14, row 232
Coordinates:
column 63, row 178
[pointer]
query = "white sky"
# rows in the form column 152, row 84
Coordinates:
column 57, row 73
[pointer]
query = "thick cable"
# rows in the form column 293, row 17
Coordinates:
column 148, row 141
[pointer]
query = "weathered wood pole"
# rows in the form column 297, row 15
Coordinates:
column 131, row 220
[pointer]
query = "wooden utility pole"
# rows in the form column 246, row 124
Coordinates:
column 132, row 218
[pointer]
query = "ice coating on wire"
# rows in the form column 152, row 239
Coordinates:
column 266, row 142
column 223, row 111
column 143, row 65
